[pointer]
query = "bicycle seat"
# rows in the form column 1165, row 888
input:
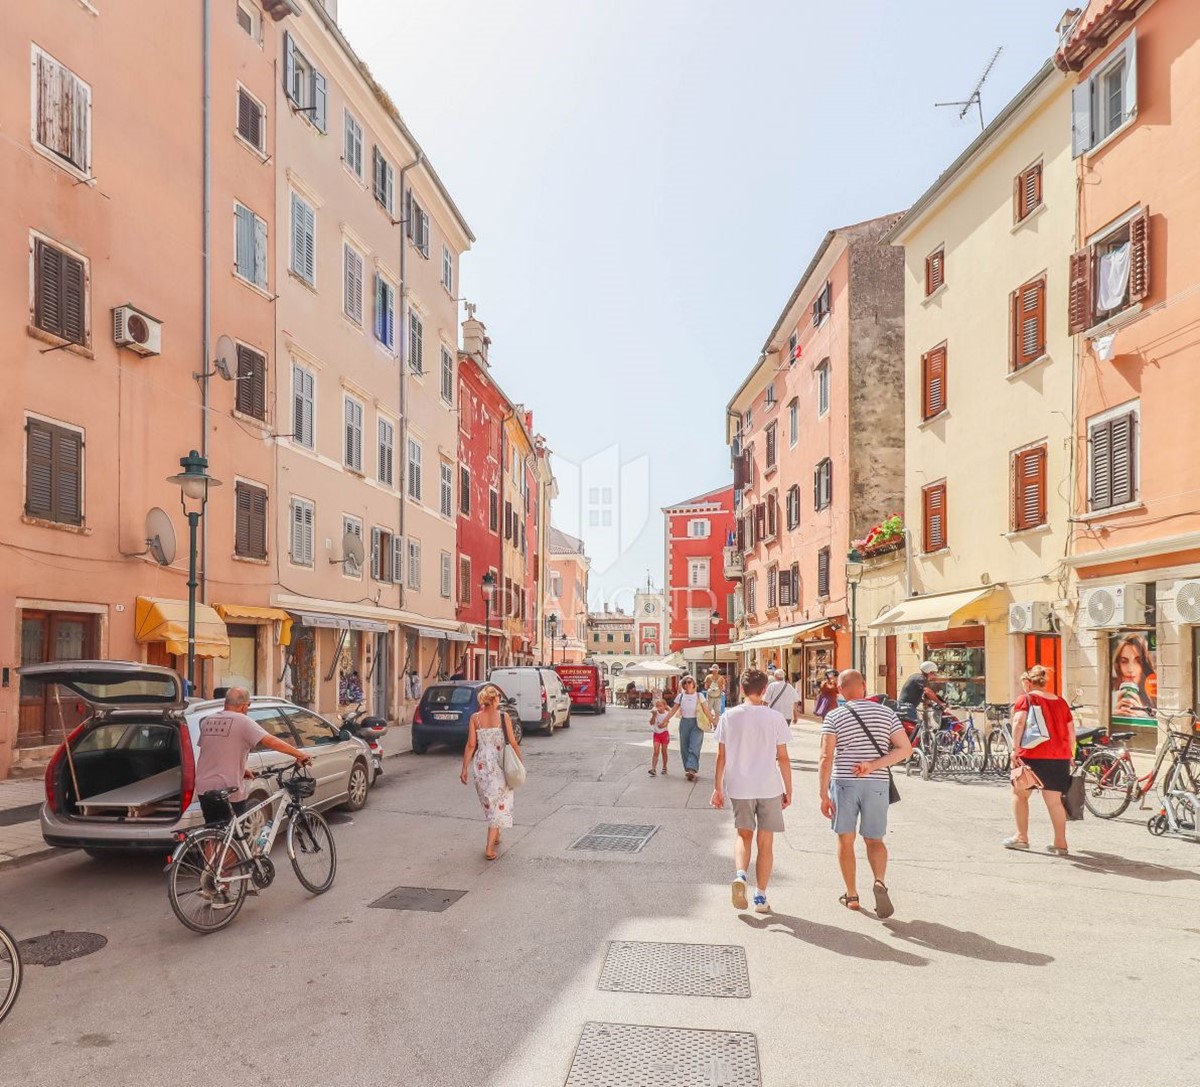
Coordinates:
column 217, row 794
column 1121, row 737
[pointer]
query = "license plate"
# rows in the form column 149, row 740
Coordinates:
column 445, row 716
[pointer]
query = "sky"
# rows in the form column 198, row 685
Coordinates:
column 647, row 179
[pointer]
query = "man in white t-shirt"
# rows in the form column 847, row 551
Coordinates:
column 754, row 771
column 781, row 695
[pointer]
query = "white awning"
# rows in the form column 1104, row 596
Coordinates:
column 769, row 639
column 338, row 622
column 927, row 613
column 443, row 635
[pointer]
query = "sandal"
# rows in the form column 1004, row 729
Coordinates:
column 1015, row 843
column 883, row 901
column 652, row 773
column 850, row 902
column 490, row 856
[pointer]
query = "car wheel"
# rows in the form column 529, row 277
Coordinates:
column 518, row 731
column 419, row 747
column 567, row 721
column 356, row 788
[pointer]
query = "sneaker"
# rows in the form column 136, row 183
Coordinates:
column 738, row 893
column 760, row 904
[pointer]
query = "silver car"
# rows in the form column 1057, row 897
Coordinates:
column 125, row 778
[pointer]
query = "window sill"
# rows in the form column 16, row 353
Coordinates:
column 293, row 274
column 300, row 565
column 257, row 152
column 252, row 285
column 79, row 349
column 357, row 326
column 1109, row 511
column 1044, row 529
column 933, row 296
column 56, row 159
column 58, row 526
column 925, row 424
column 1021, row 371
column 359, row 179
column 1116, row 321
column 1021, row 224
column 250, row 559
column 937, row 551
column 1096, row 148
column 251, row 420
column 770, row 470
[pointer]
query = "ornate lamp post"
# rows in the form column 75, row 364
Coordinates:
column 716, row 618
column 854, row 573
column 488, row 586
column 552, row 630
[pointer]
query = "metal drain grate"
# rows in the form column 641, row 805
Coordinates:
column 426, row 899
column 676, row 969
column 616, row 838
column 626, row 1055
column 59, row 946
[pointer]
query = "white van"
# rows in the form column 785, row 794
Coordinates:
column 542, row 700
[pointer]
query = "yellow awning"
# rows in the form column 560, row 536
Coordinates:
column 781, row 636
column 166, row 621
column 923, row 614
column 234, row 612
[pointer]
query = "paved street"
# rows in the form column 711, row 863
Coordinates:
column 991, row 954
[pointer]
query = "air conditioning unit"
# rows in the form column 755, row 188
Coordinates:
column 137, row 330
column 1113, row 606
column 1029, row 617
column 1187, row 601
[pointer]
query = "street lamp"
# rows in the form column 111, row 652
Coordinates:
column 552, row 630
column 854, row 573
column 716, row 618
column 488, row 587
column 194, row 483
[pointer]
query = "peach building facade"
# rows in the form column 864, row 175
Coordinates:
column 567, row 593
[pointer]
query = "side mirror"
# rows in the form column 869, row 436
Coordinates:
column 345, row 734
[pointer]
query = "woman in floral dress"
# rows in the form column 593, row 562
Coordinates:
column 489, row 731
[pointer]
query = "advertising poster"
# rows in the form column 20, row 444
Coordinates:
column 1134, row 684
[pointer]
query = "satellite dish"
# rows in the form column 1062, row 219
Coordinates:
column 226, row 361
column 160, row 536
column 352, row 549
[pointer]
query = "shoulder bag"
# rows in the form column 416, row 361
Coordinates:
column 514, row 768
column 893, row 792
column 1036, row 730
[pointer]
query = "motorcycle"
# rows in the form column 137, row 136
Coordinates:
column 370, row 730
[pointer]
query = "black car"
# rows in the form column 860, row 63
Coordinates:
column 443, row 716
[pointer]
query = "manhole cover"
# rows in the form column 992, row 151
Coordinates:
column 676, row 969
column 59, row 946
column 616, row 838
column 428, row 899
column 626, row 1055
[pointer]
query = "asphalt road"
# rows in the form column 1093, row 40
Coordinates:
column 998, row 968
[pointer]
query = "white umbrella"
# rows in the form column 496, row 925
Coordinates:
column 649, row 669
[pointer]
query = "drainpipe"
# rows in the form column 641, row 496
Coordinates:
column 402, row 344
column 206, row 331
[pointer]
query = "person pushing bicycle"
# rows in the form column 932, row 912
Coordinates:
column 918, row 691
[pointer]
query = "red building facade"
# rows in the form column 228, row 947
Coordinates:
column 698, row 535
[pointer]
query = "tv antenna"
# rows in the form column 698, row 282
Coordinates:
column 975, row 98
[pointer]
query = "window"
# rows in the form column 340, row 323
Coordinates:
column 464, row 580
column 770, row 395
column 62, row 112
column 792, row 506
column 752, row 594
column 793, row 421
column 793, row 347
column 414, row 564
column 352, row 145
column 414, row 469
column 250, row 397
column 53, row 472
column 1112, row 458
column 303, row 84
column 385, row 312
column 699, row 529
column 352, row 283
column 387, row 446
column 303, row 406
column 1027, row 309
column 823, row 557
column 1027, row 192
column 416, row 343
column 418, row 226
column 770, row 447
column 311, row 730
column 746, row 420
column 250, row 246
column 383, row 181
column 352, row 453
column 446, row 503
column 822, row 387
column 247, row 19
column 933, row 512
column 699, row 624
column 935, row 271
column 823, row 485
column 250, row 521
column 698, row 573
column 822, row 304
column 447, row 268
column 302, row 532
column 464, row 490
column 59, row 293
column 772, row 517
column 493, row 511
column 1106, row 101
column 1029, row 488
column 447, row 575
column 600, row 507
column 933, row 382
column 351, row 526
column 381, row 554
column 304, row 240
column 772, row 588
column 251, row 120
column 447, row 376
column 1111, row 274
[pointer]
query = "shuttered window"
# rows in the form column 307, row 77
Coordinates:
column 304, row 240
column 464, row 490
column 352, row 454
column 771, row 452
column 823, row 560
column 303, row 84
column 493, row 511
column 383, row 181
column 414, row 564
column 823, row 390
column 1027, row 307
column 933, row 382
column 251, row 120
column 417, row 222
column 935, row 271
column 822, row 304
column 414, row 469
column 303, row 406
column 1112, row 449
column 933, row 510
column 351, row 526
column 446, row 495
column 792, row 506
column 1110, row 275
column 772, row 588
column 59, row 293
column 53, row 472
column 1027, row 192
column 302, row 532
column 464, row 580
column 352, row 283
column 447, row 269
column 772, row 522
column 447, row 376
column 62, row 111
column 785, row 589
column 387, row 447
column 1079, row 303
column 385, row 313
column 381, row 554
column 250, row 521
column 416, row 343
column 251, row 396
column 823, row 484
column 447, row 572
column 250, row 246
column 352, row 145
column 1029, row 488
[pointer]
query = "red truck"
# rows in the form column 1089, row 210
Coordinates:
column 586, row 685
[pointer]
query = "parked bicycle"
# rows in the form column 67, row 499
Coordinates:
column 10, row 972
column 998, row 746
column 211, row 869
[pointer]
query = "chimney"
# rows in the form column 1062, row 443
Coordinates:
column 475, row 340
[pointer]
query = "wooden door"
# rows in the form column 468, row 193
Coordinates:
column 45, row 716
column 1046, row 649
column 889, row 666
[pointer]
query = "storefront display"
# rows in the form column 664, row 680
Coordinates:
column 961, row 670
column 818, row 656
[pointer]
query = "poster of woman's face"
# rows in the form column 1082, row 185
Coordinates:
column 1134, row 684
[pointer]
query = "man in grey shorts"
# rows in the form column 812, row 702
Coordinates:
column 859, row 741
column 754, row 771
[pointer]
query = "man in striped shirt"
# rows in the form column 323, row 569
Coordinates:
column 859, row 741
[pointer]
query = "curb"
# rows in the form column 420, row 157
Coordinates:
column 28, row 855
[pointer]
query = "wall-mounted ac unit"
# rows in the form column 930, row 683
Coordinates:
column 137, row 330
column 1029, row 617
column 1187, row 601
column 1113, row 606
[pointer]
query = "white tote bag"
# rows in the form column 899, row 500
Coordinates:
column 1036, row 731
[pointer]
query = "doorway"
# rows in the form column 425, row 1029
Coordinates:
column 241, row 670
column 380, row 666
column 1046, row 649
column 47, row 636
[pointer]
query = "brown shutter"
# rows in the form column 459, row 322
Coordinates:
column 1030, row 488
column 72, row 301
column 68, row 476
column 934, row 502
column 258, row 525
column 39, row 469
column 933, row 382
column 1079, row 305
column 1122, row 430
column 760, row 521
column 48, row 276
column 1139, row 256
column 823, row 572
column 241, row 520
column 1029, row 323
column 739, row 472
column 53, row 473
column 935, row 271
column 251, row 395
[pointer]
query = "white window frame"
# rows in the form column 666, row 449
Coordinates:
column 699, row 624
column 309, row 93
column 261, row 255
column 258, row 149
column 352, row 306
column 388, row 175
column 1130, row 407
column 413, row 469
column 824, row 381
column 446, row 489
column 253, row 18
column 303, row 264
column 352, row 143
column 354, row 525
column 793, row 422
column 447, row 376
column 1089, row 129
column 298, row 434
column 79, row 170
column 698, row 573
column 353, row 417
column 699, row 528
column 307, row 557
column 448, row 269
column 385, row 449
column 414, row 564
column 416, row 342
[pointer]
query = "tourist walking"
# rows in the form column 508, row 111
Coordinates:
column 714, row 690
column 660, row 716
column 1044, row 735
column 827, row 694
column 782, row 696
column 690, row 706
column 487, row 735
column 860, row 740
column 754, row 771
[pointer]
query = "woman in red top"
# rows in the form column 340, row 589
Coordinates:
column 1050, row 760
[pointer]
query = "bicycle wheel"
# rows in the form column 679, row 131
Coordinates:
column 929, row 752
column 310, row 846
column 201, row 900
column 10, row 972
column 1108, row 784
column 1181, row 779
column 997, row 752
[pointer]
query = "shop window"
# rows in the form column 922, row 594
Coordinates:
column 961, row 671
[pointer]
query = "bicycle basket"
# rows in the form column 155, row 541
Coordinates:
column 301, row 786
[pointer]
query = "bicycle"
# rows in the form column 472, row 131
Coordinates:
column 1111, row 782
column 998, row 746
column 10, row 972
column 209, row 872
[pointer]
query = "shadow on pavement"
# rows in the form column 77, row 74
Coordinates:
column 856, row 945
column 970, row 945
column 1110, row 864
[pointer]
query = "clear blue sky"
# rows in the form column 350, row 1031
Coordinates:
column 647, row 180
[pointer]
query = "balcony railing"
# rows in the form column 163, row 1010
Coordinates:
column 735, row 563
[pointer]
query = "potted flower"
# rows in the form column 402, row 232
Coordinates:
column 886, row 536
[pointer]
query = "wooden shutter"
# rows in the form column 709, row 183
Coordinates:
column 1101, row 465
column 933, row 382
column 59, row 304
column 1122, row 444
column 251, row 395
column 53, row 473
column 320, row 101
column 935, row 271
column 1139, row 256
column 771, row 446
column 1027, row 191
column 1028, row 308
column 823, row 572
column 1079, row 305
column 1029, row 487
column 249, row 120
column 739, row 472
column 1081, row 118
column 289, row 66
column 250, row 521
column 352, row 285
column 398, row 560
column 39, row 469
column 934, row 503
column 795, row 582
column 760, row 522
